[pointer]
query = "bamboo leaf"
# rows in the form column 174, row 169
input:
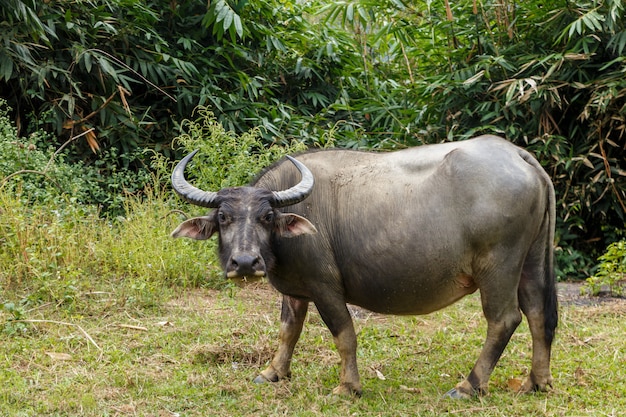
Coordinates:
column 618, row 42
column 7, row 66
column 223, row 10
column 575, row 27
column 587, row 163
column 238, row 25
column 592, row 20
column 108, row 68
column 475, row 78
column 350, row 12
column 228, row 20
column 363, row 13
column 87, row 61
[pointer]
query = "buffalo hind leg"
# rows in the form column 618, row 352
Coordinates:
column 503, row 316
column 292, row 318
column 539, row 303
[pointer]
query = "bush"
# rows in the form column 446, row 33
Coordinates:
column 56, row 249
column 54, row 239
column 226, row 159
column 611, row 272
column 65, row 254
column 38, row 173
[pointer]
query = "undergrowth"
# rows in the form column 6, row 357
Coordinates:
column 55, row 254
column 611, row 272
column 55, row 249
column 225, row 159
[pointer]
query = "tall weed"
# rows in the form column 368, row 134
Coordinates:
column 66, row 255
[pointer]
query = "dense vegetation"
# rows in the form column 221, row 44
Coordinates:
column 108, row 82
column 102, row 314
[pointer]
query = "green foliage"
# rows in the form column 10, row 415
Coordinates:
column 277, row 72
column 549, row 77
column 13, row 325
column 117, row 76
column 120, row 74
column 36, row 172
column 24, row 167
column 51, row 241
column 611, row 271
column 572, row 263
column 76, row 66
column 52, row 235
column 226, row 159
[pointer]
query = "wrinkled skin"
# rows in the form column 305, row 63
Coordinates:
column 407, row 232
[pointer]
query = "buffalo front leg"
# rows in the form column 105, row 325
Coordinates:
column 292, row 318
column 339, row 322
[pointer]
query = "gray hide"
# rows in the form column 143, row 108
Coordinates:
column 406, row 232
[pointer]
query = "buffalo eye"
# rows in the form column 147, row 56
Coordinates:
column 269, row 217
column 221, row 217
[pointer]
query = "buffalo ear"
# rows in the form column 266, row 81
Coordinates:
column 292, row 225
column 198, row 228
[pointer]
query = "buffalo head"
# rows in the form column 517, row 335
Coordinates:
column 247, row 220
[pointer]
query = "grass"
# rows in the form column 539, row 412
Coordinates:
column 117, row 319
column 196, row 351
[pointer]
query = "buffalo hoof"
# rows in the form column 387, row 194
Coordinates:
column 530, row 385
column 455, row 394
column 348, row 390
column 270, row 375
column 261, row 379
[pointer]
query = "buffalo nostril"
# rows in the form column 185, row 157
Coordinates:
column 245, row 265
column 245, row 260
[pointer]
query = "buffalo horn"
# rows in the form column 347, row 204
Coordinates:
column 208, row 199
column 299, row 191
column 189, row 192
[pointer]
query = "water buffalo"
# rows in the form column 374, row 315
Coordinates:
column 405, row 232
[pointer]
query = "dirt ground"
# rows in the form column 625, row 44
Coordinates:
column 570, row 293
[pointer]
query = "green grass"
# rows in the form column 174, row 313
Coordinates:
column 196, row 351
column 116, row 319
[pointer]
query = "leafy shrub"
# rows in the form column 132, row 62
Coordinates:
column 60, row 251
column 571, row 263
column 226, row 159
column 35, row 171
column 53, row 239
column 27, row 169
column 611, row 271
